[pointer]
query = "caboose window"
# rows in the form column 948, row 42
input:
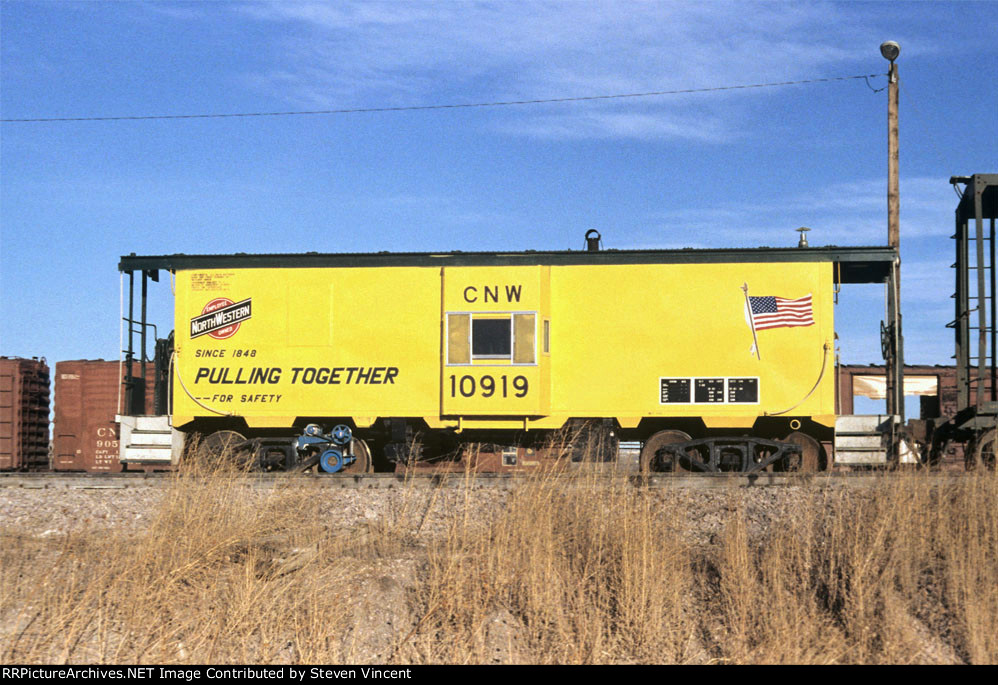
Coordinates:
column 491, row 339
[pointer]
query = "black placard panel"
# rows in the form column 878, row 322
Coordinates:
column 743, row 390
column 675, row 390
column 708, row 390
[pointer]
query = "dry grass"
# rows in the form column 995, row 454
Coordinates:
column 578, row 574
column 904, row 573
column 593, row 572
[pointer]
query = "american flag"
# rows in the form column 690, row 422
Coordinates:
column 774, row 312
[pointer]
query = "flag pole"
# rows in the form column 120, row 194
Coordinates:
column 751, row 318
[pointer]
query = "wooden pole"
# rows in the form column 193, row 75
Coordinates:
column 893, row 191
column 895, row 363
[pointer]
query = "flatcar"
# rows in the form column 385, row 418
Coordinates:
column 716, row 360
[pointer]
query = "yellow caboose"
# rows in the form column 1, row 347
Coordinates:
column 714, row 359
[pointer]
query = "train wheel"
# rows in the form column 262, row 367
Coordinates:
column 811, row 453
column 362, row 462
column 655, row 443
column 983, row 451
column 219, row 449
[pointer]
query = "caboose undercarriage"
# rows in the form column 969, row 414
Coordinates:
column 581, row 441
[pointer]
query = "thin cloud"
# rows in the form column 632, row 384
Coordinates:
column 356, row 54
column 660, row 125
column 179, row 12
column 848, row 213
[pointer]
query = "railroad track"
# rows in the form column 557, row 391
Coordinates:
column 388, row 481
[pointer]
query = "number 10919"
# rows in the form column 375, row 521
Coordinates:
column 488, row 386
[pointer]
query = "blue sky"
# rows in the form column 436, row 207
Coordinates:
column 735, row 168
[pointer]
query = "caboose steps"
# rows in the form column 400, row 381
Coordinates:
column 149, row 440
column 862, row 439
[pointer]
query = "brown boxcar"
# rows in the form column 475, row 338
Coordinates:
column 24, row 414
column 85, row 436
column 938, row 397
column 938, row 390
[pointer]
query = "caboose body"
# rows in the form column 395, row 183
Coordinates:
column 506, row 345
column 500, row 347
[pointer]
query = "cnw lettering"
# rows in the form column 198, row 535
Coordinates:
column 492, row 293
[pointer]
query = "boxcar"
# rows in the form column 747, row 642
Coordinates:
column 24, row 414
column 84, row 432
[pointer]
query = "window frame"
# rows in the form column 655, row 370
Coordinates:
column 491, row 361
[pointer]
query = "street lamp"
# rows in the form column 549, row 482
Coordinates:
column 890, row 50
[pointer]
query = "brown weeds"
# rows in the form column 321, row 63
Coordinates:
column 568, row 567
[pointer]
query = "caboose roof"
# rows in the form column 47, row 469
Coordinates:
column 856, row 264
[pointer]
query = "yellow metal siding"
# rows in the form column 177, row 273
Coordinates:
column 615, row 330
column 381, row 319
column 513, row 387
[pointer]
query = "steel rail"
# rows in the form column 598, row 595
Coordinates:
column 388, row 481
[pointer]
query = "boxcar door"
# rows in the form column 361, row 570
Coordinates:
column 495, row 342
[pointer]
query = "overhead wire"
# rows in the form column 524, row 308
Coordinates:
column 412, row 108
column 875, row 90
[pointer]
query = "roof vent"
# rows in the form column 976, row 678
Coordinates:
column 803, row 236
column 593, row 240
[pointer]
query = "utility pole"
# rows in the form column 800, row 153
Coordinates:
column 893, row 189
column 894, row 343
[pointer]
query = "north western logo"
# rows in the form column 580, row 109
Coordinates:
column 221, row 318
